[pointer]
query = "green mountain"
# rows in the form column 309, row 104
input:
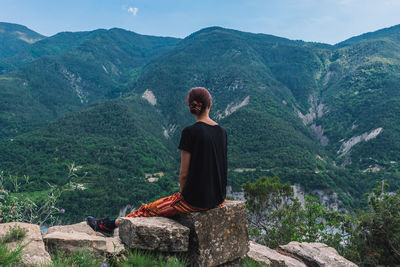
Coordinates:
column 66, row 72
column 390, row 33
column 361, row 96
column 112, row 145
column 15, row 38
column 254, row 94
column 50, row 46
column 113, row 102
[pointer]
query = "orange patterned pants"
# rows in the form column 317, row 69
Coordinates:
column 166, row 207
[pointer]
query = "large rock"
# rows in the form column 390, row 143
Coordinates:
column 270, row 257
column 34, row 253
column 80, row 236
column 154, row 233
column 217, row 236
column 317, row 254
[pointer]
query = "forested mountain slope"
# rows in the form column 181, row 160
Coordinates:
column 15, row 38
column 112, row 145
column 245, row 73
column 50, row 46
column 64, row 76
column 322, row 116
column 361, row 94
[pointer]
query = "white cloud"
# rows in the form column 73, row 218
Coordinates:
column 133, row 10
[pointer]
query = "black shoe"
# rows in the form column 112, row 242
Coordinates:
column 101, row 225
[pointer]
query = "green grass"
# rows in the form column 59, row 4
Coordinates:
column 77, row 259
column 85, row 258
column 8, row 256
column 247, row 262
column 135, row 258
column 152, row 259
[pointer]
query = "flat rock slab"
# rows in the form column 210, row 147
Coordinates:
column 80, row 236
column 217, row 236
column 270, row 257
column 34, row 253
column 317, row 254
column 81, row 227
column 154, row 233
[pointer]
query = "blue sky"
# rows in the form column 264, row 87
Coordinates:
column 328, row 21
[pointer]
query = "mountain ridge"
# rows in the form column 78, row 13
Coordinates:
column 306, row 112
column 60, row 79
column 372, row 35
column 14, row 38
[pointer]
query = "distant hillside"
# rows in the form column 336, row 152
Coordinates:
column 363, row 101
column 392, row 33
column 112, row 144
column 15, row 38
column 113, row 102
column 51, row 46
column 66, row 72
column 255, row 96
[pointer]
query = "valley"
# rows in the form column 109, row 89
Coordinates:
column 324, row 117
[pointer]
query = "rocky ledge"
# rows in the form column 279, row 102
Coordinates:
column 296, row 254
column 70, row 238
column 34, row 253
column 154, row 233
column 210, row 238
column 217, row 237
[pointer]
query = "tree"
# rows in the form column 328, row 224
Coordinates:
column 377, row 233
column 276, row 217
column 274, row 213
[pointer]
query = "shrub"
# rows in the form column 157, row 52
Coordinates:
column 16, row 207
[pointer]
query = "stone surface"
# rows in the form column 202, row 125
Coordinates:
column 317, row 254
column 235, row 263
column 34, row 253
column 270, row 257
column 80, row 236
column 217, row 236
column 154, row 233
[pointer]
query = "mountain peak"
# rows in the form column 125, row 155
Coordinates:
column 20, row 30
column 392, row 32
column 15, row 38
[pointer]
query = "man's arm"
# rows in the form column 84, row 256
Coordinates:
column 183, row 173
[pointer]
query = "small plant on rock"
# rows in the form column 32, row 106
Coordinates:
column 14, row 234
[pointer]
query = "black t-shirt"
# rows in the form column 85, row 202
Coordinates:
column 206, row 182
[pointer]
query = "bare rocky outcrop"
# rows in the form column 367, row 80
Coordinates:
column 317, row 254
column 347, row 145
column 232, row 107
column 149, row 96
column 318, row 131
column 217, row 236
column 34, row 253
column 80, row 236
column 270, row 257
column 298, row 254
column 154, row 233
